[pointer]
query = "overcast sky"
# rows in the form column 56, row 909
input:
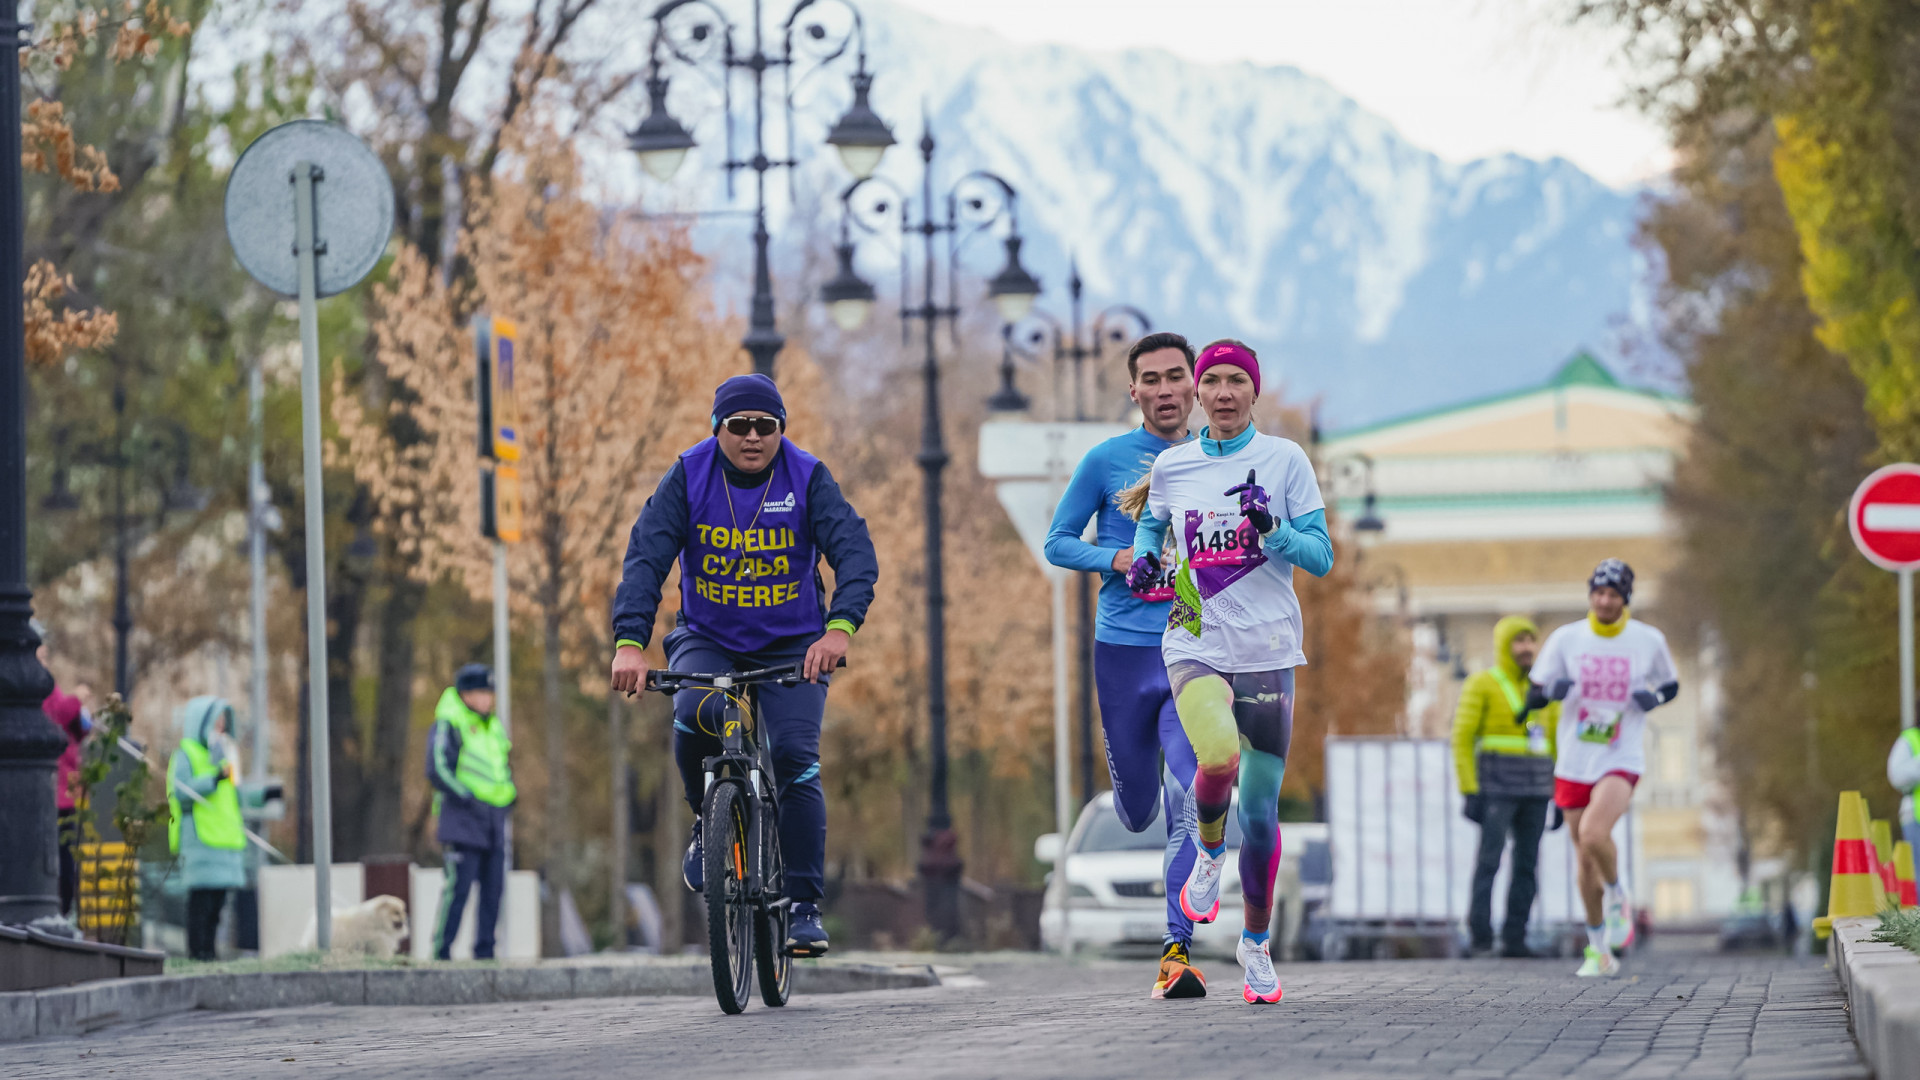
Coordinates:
column 1462, row 78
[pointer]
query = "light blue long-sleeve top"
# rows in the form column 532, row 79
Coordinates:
column 1106, row 471
column 1302, row 541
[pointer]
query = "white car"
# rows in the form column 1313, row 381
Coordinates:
column 1116, row 880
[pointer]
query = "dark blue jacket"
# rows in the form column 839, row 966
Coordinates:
column 658, row 536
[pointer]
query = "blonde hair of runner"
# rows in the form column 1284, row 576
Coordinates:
column 1132, row 499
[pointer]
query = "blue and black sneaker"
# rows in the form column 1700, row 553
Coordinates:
column 805, row 935
column 693, row 868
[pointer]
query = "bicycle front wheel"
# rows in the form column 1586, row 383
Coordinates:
column 770, row 921
column 729, row 908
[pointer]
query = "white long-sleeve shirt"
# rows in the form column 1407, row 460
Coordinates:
column 1903, row 772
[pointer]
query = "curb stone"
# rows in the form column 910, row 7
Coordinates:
column 1882, row 983
column 77, row 1010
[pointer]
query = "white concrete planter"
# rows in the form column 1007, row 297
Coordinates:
column 1883, row 991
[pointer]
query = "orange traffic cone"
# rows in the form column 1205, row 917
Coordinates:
column 1855, row 888
column 1882, row 833
column 1903, row 873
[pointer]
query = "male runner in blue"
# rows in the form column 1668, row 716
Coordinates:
column 1137, row 716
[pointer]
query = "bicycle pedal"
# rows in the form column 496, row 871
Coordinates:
column 805, row 952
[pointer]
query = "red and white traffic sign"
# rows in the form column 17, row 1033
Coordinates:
column 1885, row 517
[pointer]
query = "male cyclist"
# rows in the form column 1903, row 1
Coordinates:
column 748, row 515
column 1608, row 671
column 1137, row 717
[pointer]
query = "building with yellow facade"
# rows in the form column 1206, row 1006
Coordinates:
column 1503, row 505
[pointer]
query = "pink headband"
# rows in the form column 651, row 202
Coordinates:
column 1228, row 353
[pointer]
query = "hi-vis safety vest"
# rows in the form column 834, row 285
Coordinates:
column 483, row 766
column 1517, row 745
column 1912, row 737
column 216, row 821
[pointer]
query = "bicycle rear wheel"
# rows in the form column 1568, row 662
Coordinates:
column 770, row 957
column 730, row 914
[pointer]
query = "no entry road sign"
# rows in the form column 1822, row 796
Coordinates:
column 1885, row 517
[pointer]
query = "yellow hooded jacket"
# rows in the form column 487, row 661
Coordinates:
column 1491, row 748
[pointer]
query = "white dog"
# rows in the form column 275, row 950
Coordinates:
column 374, row 928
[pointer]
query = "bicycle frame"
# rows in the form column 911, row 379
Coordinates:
column 743, row 760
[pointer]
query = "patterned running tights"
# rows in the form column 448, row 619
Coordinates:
column 1240, row 725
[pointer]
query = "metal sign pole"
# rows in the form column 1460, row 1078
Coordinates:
column 304, row 175
column 1062, row 744
column 1062, row 768
column 257, row 572
column 358, row 201
column 502, row 652
column 1906, row 648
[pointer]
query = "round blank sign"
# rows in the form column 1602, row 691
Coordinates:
column 353, row 206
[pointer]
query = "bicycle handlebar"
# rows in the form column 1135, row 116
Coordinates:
column 665, row 681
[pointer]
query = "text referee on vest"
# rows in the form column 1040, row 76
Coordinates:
column 749, row 515
column 473, row 792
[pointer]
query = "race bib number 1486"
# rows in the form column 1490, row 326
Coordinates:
column 1224, row 538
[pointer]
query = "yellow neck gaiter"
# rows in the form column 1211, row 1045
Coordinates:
column 1610, row 629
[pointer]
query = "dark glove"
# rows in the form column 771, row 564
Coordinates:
column 1560, row 689
column 1646, row 699
column 1559, row 818
column 1476, row 808
column 1254, row 505
column 274, row 791
column 1536, row 699
column 1143, row 571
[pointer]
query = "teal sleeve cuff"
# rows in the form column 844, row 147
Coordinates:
column 843, row 624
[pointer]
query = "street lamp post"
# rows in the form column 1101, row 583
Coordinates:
column 683, row 32
column 976, row 203
column 1116, row 324
column 29, row 745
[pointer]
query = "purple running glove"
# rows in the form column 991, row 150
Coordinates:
column 1253, row 504
column 1143, row 572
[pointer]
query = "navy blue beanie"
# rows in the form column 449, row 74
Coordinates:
column 744, row 393
column 473, row 677
column 1614, row 574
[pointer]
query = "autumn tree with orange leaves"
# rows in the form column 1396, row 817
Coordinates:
column 49, row 145
column 618, row 350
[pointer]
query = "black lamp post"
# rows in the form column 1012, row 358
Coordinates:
column 29, row 745
column 1343, row 468
column 685, row 30
column 976, row 203
column 1073, row 345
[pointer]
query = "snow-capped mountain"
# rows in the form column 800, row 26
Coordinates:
column 1255, row 202
column 1259, row 202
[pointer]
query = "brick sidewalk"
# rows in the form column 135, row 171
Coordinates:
column 1672, row 1014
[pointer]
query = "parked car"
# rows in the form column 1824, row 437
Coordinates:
column 1116, row 885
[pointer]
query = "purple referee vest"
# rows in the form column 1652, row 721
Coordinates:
column 747, row 572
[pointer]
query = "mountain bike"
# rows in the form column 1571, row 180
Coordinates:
column 747, row 906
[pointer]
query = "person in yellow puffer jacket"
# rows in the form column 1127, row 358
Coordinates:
column 1503, row 755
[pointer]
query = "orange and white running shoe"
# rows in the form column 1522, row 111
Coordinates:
column 1178, row 977
column 1262, row 985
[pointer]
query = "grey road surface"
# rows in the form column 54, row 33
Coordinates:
column 1673, row 1014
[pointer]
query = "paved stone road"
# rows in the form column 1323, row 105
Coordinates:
column 1674, row 1014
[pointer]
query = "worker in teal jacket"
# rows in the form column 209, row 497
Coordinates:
column 205, row 831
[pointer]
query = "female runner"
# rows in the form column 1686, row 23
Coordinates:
column 1233, row 636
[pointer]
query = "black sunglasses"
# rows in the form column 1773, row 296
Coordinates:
column 763, row 426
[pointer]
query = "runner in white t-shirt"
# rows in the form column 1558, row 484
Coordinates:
column 1233, row 635
column 1609, row 670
